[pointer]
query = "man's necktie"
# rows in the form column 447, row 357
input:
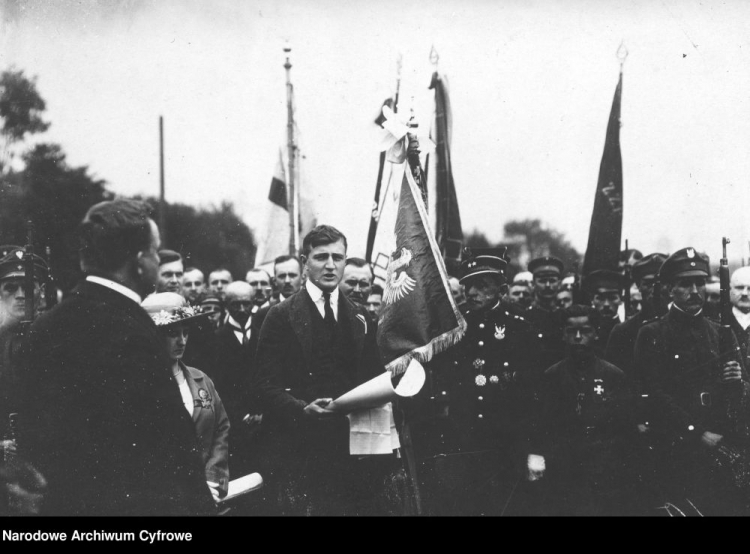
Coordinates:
column 329, row 318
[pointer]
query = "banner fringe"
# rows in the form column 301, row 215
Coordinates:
column 425, row 353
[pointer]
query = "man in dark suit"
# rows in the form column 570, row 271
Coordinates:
column 104, row 422
column 313, row 347
column 739, row 296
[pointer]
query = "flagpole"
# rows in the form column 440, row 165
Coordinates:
column 162, row 202
column 292, row 205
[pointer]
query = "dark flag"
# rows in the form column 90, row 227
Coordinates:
column 606, row 221
column 419, row 317
column 448, row 231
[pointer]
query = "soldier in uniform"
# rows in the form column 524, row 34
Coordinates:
column 543, row 313
column 604, row 287
column 621, row 341
column 479, row 398
column 12, row 313
column 584, row 418
column 694, row 390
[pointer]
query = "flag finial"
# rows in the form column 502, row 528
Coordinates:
column 622, row 53
column 434, row 57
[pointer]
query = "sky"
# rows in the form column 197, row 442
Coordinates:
column 531, row 87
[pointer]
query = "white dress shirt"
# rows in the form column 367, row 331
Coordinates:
column 117, row 287
column 742, row 319
column 320, row 302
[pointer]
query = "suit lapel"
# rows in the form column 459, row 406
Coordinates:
column 300, row 318
column 357, row 323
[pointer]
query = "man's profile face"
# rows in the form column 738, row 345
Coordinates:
column 482, row 292
column 578, row 333
column 288, row 277
column 148, row 262
column 546, row 285
column 325, row 265
column 606, row 302
column 356, row 283
column 170, row 277
column 193, row 285
column 739, row 291
column 689, row 294
column 261, row 284
column 218, row 281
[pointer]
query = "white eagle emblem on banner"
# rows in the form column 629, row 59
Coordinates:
column 397, row 283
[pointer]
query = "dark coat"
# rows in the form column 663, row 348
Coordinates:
column 231, row 372
column 679, row 357
column 307, row 460
column 105, row 423
column 621, row 343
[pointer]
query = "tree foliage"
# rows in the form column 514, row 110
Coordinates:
column 208, row 238
column 531, row 238
column 55, row 196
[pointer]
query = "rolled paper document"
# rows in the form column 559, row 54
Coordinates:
column 380, row 390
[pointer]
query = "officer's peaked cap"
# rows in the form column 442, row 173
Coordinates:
column 686, row 262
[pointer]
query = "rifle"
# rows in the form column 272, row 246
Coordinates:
column 28, row 279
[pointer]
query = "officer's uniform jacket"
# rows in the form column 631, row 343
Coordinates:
column 481, row 390
column 678, row 356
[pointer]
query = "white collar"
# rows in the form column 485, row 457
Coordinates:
column 117, row 287
column 742, row 318
column 317, row 294
column 233, row 322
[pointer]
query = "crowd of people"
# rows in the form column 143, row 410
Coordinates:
column 150, row 387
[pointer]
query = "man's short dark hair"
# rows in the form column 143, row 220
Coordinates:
column 575, row 310
column 357, row 262
column 320, row 235
column 376, row 289
column 112, row 233
column 286, row 258
column 169, row 256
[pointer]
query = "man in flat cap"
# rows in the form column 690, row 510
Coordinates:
column 604, row 287
column 480, row 396
column 695, row 390
column 543, row 313
column 171, row 271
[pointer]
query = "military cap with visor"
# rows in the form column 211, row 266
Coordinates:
column 604, row 279
column 686, row 262
column 483, row 265
column 13, row 266
column 546, row 265
column 648, row 265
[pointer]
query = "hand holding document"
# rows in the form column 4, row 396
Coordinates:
column 372, row 429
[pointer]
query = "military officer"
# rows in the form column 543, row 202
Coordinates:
column 480, row 397
column 694, row 390
column 544, row 314
column 604, row 287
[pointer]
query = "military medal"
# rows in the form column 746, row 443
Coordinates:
column 480, row 380
column 598, row 388
column 494, row 379
column 478, row 364
column 205, row 399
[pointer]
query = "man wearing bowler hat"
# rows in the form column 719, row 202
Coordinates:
column 479, row 397
column 696, row 391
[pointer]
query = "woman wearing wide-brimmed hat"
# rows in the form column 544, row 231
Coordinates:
column 173, row 316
